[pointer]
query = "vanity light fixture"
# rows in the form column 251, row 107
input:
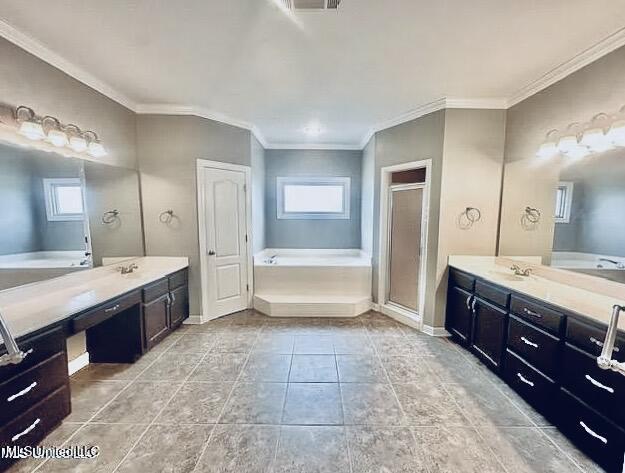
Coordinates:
column 548, row 149
column 30, row 127
column 570, row 146
column 595, row 138
column 616, row 134
column 58, row 135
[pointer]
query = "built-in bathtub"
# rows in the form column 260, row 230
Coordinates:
column 304, row 283
column 25, row 268
column 605, row 266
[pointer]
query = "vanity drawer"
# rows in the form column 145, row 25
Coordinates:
column 538, row 314
column 105, row 311
column 33, row 425
column 178, row 279
column 462, row 280
column 492, row 293
column 590, row 338
column 38, row 348
column 155, row 290
column 603, row 390
column 536, row 346
column 21, row 392
column 602, row 440
column 532, row 385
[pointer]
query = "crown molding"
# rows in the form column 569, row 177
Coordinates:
column 40, row 51
column 316, row 146
column 500, row 103
column 583, row 59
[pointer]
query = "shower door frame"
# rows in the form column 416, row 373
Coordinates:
column 404, row 315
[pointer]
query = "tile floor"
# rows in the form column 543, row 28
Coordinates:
column 248, row 393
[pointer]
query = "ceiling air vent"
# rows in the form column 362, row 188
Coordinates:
column 311, row 4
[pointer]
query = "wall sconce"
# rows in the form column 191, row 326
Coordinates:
column 52, row 131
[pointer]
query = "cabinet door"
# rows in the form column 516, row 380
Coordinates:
column 179, row 309
column 459, row 315
column 155, row 320
column 489, row 329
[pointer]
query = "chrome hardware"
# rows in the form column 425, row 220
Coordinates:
column 26, row 432
column 473, row 305
column 532, row 313
column 14, row 355
column 600, row 344
column 169, row 299
column 271, row 259
column 166, row 216
column 211, row 253
column 618, row 264
column 22, row 392
column 589, row 431
column 605, row 360
column 469, row 302
column 525, row 380
column 110, row 216
column 112, row 309
column 128, row 269
column 521, row 272
column 527, row 342
column 173, row 298
column 599, row 385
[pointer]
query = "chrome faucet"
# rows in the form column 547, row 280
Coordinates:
column 521, row 272
column 272, row 259
column 14, row 355
column 618, row 264
column 605, row 360
column 128, row 269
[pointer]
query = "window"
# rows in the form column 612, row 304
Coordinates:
column 564, row 199
column 64, row 199
column 313, row 197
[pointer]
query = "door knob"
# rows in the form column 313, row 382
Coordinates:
column 211, row 253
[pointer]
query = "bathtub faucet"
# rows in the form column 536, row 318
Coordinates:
column 618, row 264
column 14, row 355
column 272, row 259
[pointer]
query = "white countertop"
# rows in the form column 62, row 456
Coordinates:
column 582, row 300
column 34, row 306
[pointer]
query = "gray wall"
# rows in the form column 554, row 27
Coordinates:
column 366, row 214
column 168, row 147
column 27, row 80
column 258, row 196
column 312, row 233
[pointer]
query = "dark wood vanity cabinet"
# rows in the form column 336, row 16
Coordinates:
column 155, row 320
column 548, row 355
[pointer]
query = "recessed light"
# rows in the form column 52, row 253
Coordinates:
column 313, row 129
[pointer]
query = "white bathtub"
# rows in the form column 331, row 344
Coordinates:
column 577, row 260
column 304, row 283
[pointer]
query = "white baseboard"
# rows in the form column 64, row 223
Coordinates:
column 375, row 307
column 78, row 363
column 436, row 331
column 403, row 317
column 194, row 320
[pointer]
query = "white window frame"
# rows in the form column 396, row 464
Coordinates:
column 52, row 208
column 568, row 201
column 344, row 182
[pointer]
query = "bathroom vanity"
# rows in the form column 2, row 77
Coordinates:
column 543, row 338
column 123, row 316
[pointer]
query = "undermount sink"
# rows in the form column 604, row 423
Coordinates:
column 508, row 276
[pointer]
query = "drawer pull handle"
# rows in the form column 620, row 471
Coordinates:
column 600, row 344
column 112, row 309
column 532, row 313
column 527, row 342
column 590, row 432
column 469, row 303
column 525, row 380
column 473, row 306
column 599, row 385
column 173, row 298
column 16, row 437
column 22, row 392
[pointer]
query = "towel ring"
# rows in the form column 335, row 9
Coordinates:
column 110, row 216
column 166, row 216
column 469, row 217
column 530, row 218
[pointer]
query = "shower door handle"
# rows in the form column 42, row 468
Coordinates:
column 211, row 253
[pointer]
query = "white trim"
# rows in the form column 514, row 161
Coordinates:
column 247, row 170
column 78, row 363
column 37, row 49
column 385, row 174
column 51, row 199
column 495, row 103
column 577, row 62
column 194, row 320
column 315, row 146
column 343, row 182
column 375, row 307
column 402, row 316
column 435, row 331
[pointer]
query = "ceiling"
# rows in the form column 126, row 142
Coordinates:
column 246, row 62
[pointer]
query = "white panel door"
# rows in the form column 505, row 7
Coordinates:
column 225, row 236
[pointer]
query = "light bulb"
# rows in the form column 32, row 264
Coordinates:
column 78, row 144
column 547, row 150
column 32, row 130
column 616, row 135
column 596, row 140
column 57, row 137
column 96, row 149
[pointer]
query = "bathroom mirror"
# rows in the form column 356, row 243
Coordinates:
column 581, row 226
column 60, row 215
column 44, row 229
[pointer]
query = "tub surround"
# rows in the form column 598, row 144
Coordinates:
column 579, row 293
column 304, row 283
column 68, row 295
